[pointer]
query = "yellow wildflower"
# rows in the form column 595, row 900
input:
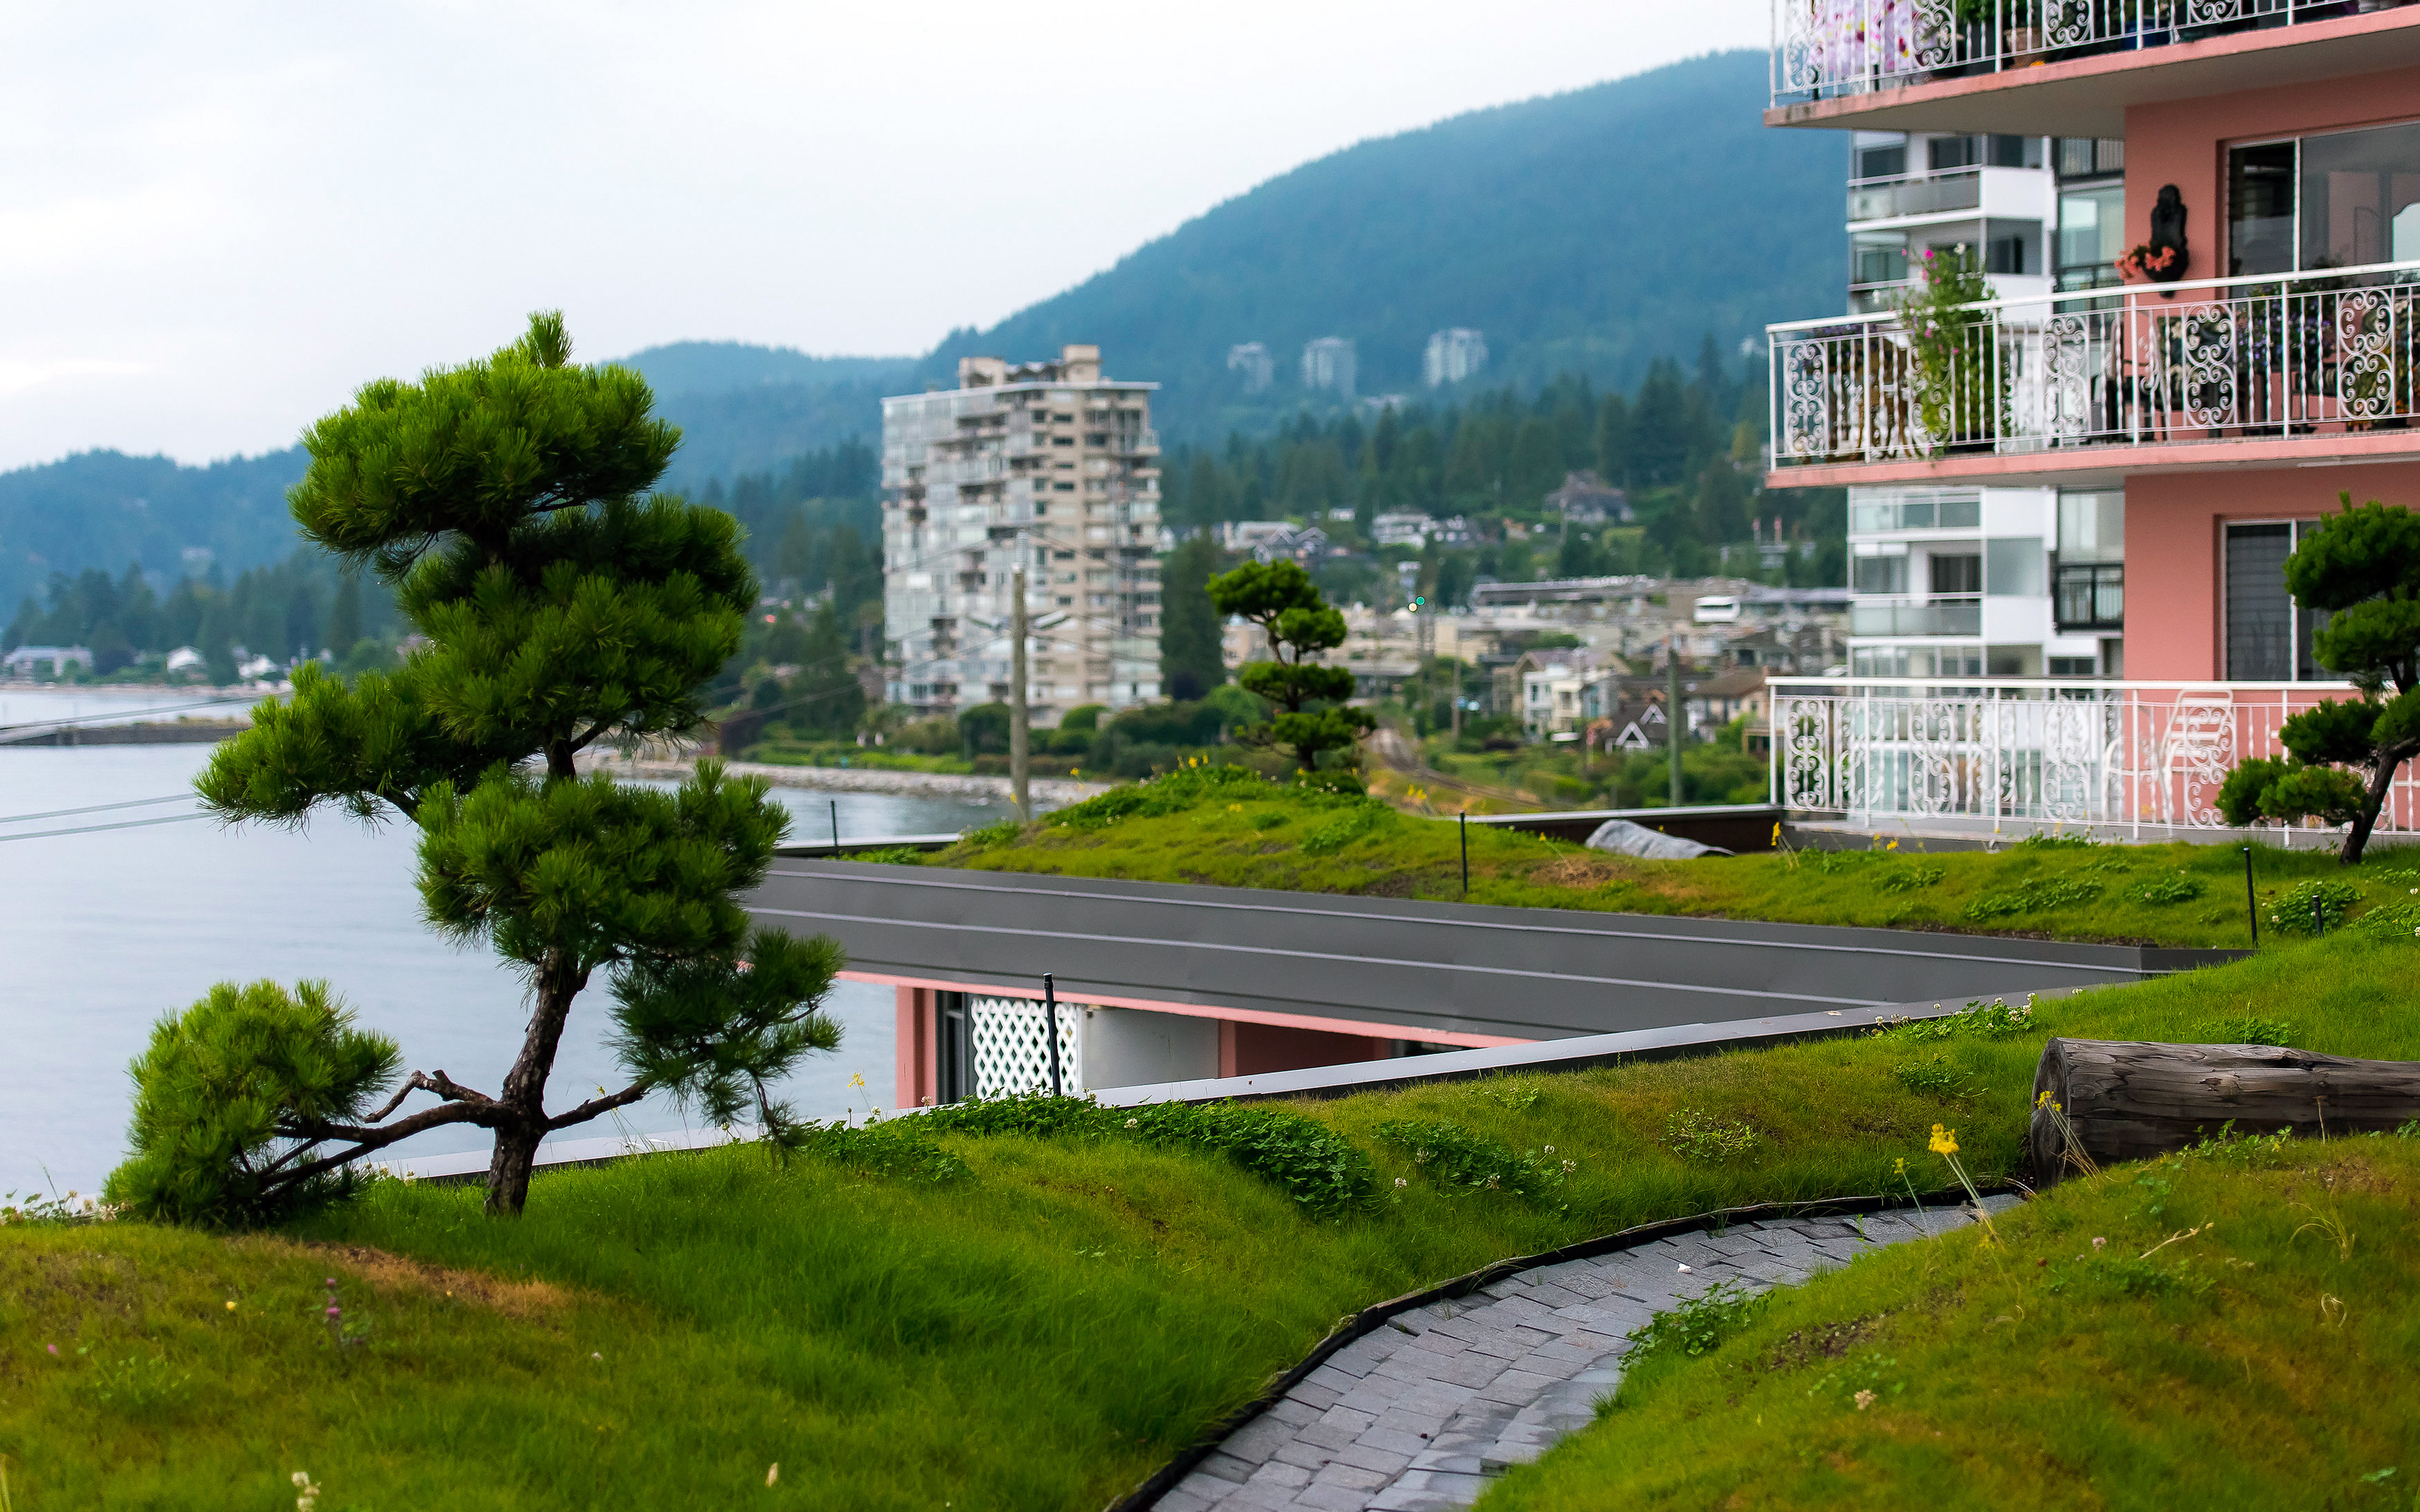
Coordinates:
column 1945, row 1141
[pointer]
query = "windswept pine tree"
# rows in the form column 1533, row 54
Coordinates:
column 566, row 607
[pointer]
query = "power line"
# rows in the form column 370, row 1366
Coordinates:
column 95, row 807
column 124, row 714
column 89, row 829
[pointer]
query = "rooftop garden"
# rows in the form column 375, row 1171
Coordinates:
column 1231, row 827
column 1032, row 1304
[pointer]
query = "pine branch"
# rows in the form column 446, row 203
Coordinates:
column 596, row 1106
column 440, row 1084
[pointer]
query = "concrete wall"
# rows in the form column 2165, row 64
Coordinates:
column 1128, row 1047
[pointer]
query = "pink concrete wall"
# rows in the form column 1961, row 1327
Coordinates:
column 2185, row 143
column 2174, row 529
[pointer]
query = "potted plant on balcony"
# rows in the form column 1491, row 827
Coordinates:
column 1950, row 350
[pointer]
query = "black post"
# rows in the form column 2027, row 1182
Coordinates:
column 2318, row 919
column 1050, row 1026
column 835, row 818
column 2251, row 901
column 1466, row 854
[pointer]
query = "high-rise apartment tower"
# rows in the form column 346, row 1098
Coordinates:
column 1045, row 465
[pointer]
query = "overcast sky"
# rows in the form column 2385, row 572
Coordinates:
column 215, row 221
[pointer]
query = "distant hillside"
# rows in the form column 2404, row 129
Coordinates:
column 1588, row 232
column 105, row 509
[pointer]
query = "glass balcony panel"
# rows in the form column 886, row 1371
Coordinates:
column 1915, row 196
column 1939, row 616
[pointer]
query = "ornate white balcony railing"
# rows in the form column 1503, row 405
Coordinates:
column 1822, row 48
column 2321, row 353
column 2140, row 758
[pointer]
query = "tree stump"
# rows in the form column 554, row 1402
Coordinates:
column 2125, row 1100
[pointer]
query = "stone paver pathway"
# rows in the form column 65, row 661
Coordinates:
column 1416, row 1414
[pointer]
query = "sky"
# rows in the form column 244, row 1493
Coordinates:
column 217, row 221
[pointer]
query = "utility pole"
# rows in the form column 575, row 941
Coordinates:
column 1675, row 722
column 1020, row 739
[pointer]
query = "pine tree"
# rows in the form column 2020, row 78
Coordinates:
column 563, row 608
column 1191, row 661
column 1313, row 717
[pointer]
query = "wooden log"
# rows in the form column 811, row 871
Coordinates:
column 2125, row 1100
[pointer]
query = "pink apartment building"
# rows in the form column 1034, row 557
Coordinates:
column 2272, row 161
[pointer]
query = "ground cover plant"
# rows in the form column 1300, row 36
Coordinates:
column 2232, row 1326
column 1231, row 827
column 1027, row 1303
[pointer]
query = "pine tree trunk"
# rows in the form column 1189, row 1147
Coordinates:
column 522, row 1099
column 2382, row 781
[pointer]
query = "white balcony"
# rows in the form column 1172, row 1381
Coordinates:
column 2141, row 760
column 2325, row 360
column 1831, row 50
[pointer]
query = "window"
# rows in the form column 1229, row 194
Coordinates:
column 2071, row 666
column 1956, row 575
column 2013, row 567
column 2342, row 200
column 1878, row 257
column 2091, row 235
column 2092, row 527
column 2082, row 157
column 1882, row 162
column 1878, row 575
column 2004, row 255
column 2268, row 635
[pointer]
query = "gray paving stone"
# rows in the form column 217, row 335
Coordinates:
column 1418, row 1416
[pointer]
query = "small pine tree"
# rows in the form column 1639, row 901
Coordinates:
column 1311, row 719
column 2362, row 568
column 565, row 607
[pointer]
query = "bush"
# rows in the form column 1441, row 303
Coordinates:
column 218, row 1084
column 1452, row 1155
column 2290, row 912
column 2039, row 896
column 1316, row 1166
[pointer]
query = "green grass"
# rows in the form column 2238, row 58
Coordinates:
column 1038, row 1332
column 1204, row 827
column 2233, row 1328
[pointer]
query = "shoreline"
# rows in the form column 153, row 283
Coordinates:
column 1057, row 791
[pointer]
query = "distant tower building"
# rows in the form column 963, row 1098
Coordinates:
column 1048, row 466
column 1452, row 356
column 1327, row 365
column 1253, row 361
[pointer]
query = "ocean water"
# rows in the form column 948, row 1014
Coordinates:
column 102, row 930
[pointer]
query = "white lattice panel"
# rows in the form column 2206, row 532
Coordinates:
column 1012, row 1047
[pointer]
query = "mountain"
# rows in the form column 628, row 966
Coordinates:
column 105, row 509
column 1588, row 232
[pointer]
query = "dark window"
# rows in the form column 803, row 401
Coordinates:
column 1947, row 152
column 954, row 1048
column 1882, row 163
column 2004, row 255
column 2260, row 613
column 2009, row 151
column 1957, row 574
column 2260, row 209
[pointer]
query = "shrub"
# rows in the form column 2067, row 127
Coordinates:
column 1997, row 1022
column 1174, row 792
column 1452, row 1155
column 2039, row 896
column 1316, row 1166
column 1701, row 1137
column 1345, row 829
column 218, row 1087
column 2247, row 1029
column 1912, row 879
column 2176, row 889
column 2291, row 913
column 898, row 1148
column 1697, row 1326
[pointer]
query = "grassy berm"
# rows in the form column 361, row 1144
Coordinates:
column 1229, row 827
column 1030, row 1305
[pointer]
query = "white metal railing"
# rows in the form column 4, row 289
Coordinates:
column 2138, row 756
column 2297, row 354
column 1950, row 614
column 1822, row 48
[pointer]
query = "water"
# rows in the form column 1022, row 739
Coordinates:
column 103, row 932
